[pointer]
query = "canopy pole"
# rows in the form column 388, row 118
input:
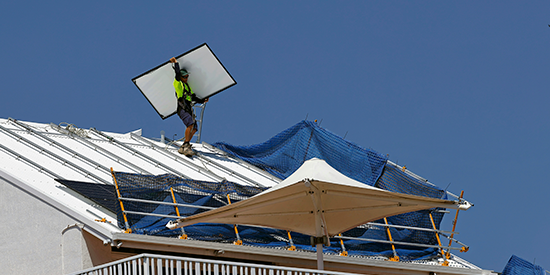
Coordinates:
column 320, row 231
column 183, row 235
column 320, row 264
column 128, row 229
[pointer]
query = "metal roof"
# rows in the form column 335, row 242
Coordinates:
column 36, row 155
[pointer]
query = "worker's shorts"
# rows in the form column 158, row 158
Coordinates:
column 187, row 118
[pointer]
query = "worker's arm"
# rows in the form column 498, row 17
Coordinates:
column 196, row 99
column 176, row 68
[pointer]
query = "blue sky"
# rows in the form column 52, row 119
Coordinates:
column 456, row 91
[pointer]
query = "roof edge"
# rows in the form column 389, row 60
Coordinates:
column 91, row 227
column 211, row 249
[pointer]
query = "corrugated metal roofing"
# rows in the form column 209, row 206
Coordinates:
column 39, row 155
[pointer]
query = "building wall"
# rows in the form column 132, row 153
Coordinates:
column 35, row 237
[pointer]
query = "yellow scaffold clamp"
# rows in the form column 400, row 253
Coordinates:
column 394, row 259
column 128, row 230
column 344, row 253
column 183, row 235
column 103, row 220
column 238, row 241
column 292, row 246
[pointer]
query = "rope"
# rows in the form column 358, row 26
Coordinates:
column 74, row 130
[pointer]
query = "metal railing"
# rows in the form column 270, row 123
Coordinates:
column 372, row 225
column 150, row 264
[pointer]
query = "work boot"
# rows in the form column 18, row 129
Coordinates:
column 188, row 151
column 181, row 150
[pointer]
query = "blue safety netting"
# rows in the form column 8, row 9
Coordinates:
column 519, row 266
column 287, row 151
column 138, row 191
column 281, row 156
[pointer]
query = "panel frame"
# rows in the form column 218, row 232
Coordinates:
column 184, row 64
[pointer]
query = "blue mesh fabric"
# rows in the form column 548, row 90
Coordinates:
column 281, row 156
column 519, row 266
column 286, row 152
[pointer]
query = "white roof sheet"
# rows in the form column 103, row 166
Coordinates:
column 36, row 154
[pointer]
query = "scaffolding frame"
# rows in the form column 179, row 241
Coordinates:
column 292, row 247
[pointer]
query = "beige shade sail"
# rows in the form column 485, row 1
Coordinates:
column 317, row 200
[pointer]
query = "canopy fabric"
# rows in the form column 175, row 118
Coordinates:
column 285, row 152
column 316, row 200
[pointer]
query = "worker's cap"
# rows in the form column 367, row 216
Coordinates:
column 183, row 72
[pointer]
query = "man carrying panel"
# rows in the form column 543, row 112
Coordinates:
column 186, row 99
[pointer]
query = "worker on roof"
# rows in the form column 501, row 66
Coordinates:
column 186, row 100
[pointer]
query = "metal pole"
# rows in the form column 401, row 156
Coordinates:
column 320, row 264
column 238, row 241
column 128, row 229
column 394, row 242
column 344, row 252
column 445, row 263
column 395, row 258
column 183, row 235
column 200, row 122
column 319, row 225
column 448, row 254
column 292, row 246
column 168, row 203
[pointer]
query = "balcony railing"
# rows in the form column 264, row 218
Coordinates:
column 149, row 264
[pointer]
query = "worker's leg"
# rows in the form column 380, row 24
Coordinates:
column 189, row 132
column 186, row 147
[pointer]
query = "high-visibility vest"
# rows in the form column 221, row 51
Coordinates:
column 183, row 90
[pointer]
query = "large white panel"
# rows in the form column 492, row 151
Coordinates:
column 207, row 77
